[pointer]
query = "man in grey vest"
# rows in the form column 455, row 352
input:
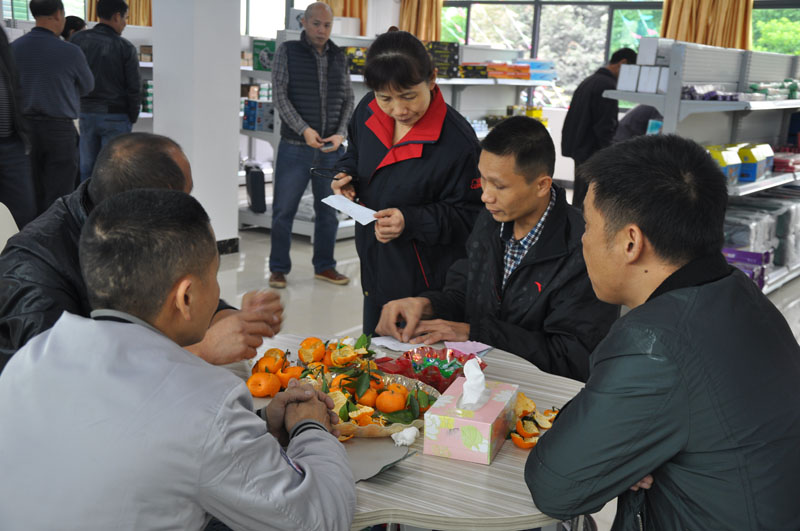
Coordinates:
column 314, row 100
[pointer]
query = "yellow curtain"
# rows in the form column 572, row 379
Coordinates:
column 140, row 12
column 423, row 18
column 350, row 8
column 726, row 23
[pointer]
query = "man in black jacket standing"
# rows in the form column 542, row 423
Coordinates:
column 523, row 285
column 112, row 107
column 592, row 119
column 690, row 412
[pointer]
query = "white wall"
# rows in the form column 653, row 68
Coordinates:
column 380, row 15
column 196, row 82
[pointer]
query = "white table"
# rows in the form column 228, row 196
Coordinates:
column 439, row 493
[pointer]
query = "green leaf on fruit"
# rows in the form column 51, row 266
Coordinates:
column 344, row 413
column 362, row 342
column 413, row 405
column 400, row 417
column 362, row 384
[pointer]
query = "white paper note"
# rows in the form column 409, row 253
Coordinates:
column 393, row 344
column 361, row 214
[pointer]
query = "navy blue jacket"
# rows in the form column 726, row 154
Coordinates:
column 431, row 176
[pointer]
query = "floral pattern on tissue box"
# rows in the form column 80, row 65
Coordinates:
column 474, row 436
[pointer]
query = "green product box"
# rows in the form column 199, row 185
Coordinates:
column 263, row 54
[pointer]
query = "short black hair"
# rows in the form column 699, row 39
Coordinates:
column 668, row 186
column 135, row 160
column 137, row 244
column 530, row 143
column 45, row 8
column 398, row 60
column 108, row 8
column 623, row 53
column 71, row 24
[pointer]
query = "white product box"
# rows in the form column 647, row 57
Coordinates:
column 654, row 51
column 648, row 79
column 628, row 77
column 663, row 79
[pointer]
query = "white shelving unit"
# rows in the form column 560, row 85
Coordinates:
column 726, row 121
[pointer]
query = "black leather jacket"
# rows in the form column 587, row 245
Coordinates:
column 10, row 71
column 115, row 65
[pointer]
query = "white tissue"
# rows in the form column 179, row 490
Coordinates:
column 405, row 437
column 474, row 394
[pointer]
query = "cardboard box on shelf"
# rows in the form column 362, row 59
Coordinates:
column 356, row 59
column 263, row 54
column 469, row 435
column 146, row 49
column 654, row 51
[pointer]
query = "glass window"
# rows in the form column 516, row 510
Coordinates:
column 19, row 9
column 267, row 17
column 507, row 26
column 454, row 24
column 577, row 47
column 630, row 25
column 776, row 30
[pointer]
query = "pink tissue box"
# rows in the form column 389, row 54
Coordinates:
column 469, row 435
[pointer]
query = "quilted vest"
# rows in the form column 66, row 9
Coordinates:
column 304, row 91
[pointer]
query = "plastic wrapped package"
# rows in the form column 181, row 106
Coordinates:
column 785, row 211
column 749, row 230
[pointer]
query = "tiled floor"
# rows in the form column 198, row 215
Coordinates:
column 315, row 307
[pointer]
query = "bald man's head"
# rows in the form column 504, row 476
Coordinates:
column 139, row 160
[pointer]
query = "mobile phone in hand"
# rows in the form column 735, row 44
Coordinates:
column 327, row 146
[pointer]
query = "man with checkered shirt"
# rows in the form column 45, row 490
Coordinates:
column 523, row 286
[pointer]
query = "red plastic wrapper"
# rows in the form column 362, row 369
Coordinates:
column 431, row 374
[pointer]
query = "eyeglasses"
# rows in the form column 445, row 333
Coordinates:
column 329, row 173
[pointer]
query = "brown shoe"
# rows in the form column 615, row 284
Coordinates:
column 333, row 276
column 277, row 280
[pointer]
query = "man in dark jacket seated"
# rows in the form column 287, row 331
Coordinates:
column 523, row 286
column 690, row 413
column 40, row 276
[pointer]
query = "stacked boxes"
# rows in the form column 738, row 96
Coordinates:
column 263, row 55
column 147, row 96
column 258, row 116
column 540, row 69
column 356, row 59
column 473, row 71
column 445, row 58
column 509, row 71
column 246, row 58
column 146, row 53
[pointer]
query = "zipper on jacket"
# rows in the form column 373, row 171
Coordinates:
column 419, row 260
column 639, row 520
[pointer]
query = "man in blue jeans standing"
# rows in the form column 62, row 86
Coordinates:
column 112, row 107
column 314, row 99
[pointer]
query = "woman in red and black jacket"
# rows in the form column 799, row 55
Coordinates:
column 413, row 159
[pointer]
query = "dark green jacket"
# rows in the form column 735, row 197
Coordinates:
column 700, row 387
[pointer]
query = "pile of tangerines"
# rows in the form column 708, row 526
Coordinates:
column 530, row 422
column 346, row 371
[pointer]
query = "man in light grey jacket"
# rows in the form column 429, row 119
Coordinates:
column 108, row 423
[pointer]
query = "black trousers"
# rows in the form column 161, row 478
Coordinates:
column 54, row 159
column 16, row 185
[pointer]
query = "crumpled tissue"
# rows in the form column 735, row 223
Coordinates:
column 474, row 394
column 405, row 437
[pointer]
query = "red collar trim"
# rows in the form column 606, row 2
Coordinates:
column 427, row 130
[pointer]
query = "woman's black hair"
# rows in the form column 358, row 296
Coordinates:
column 397, row 59
column 71, row 25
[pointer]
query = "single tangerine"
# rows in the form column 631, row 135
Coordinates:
column 289, row 373
column 398, row 388
column 390, row 401
column 326, row 360
column 271, row 361
column 311, row 349
column 343, row 381
column 368, row 398
column 344, row 355
column 376, row 382
column 262, row 384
